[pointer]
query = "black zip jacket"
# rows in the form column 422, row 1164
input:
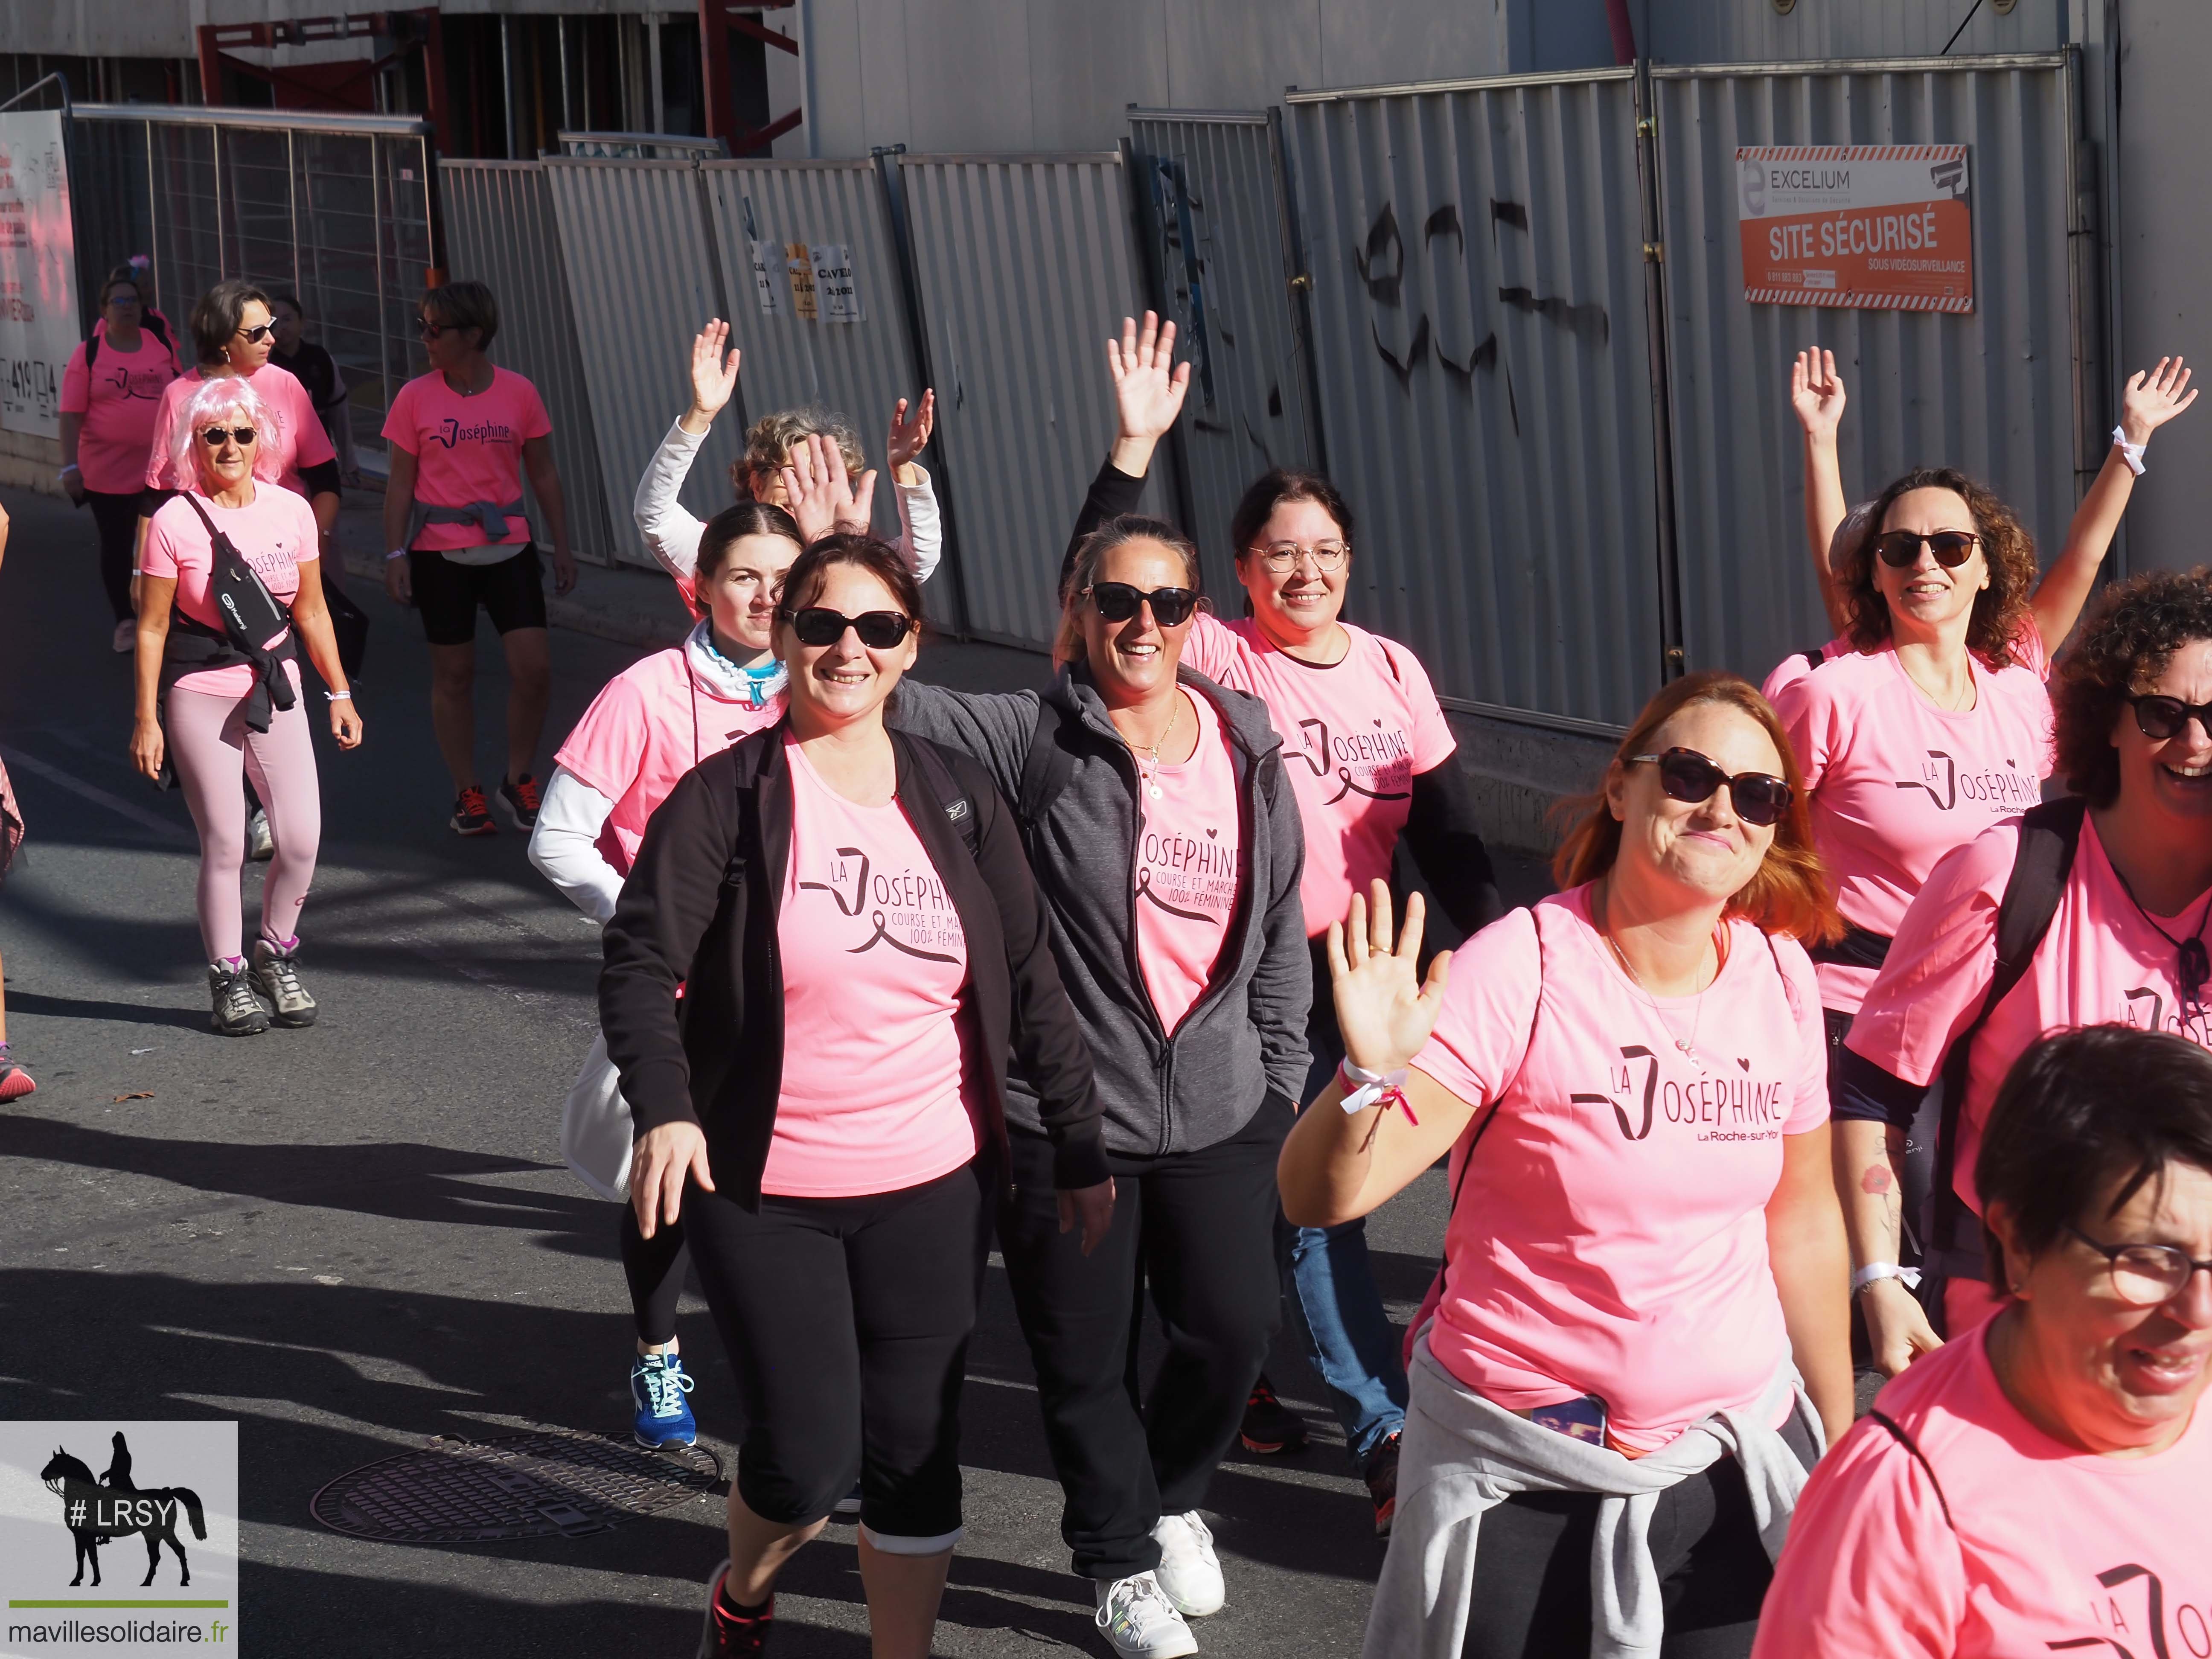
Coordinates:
column 699, row 910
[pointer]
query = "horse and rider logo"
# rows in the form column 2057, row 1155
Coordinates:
column 99, row 1511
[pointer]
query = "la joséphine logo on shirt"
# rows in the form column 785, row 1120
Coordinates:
column 907, row 910
column 1946, row 783
column 1715, row 1105
column 450, row 432
column 1378, row 764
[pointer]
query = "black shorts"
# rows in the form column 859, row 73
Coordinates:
column 512, row 593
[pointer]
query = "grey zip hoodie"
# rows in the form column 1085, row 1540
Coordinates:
column 1242, row 1043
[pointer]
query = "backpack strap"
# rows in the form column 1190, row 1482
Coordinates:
column 949, row 792
column 2050, row 835
column 91, row 351
column 1046, row 768
column 1890, row 1424
column 1812, row 658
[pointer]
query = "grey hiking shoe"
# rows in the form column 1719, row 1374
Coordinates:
column 276, row 977
column 238, row 1011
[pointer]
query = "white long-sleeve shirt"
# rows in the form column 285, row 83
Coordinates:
column 671, row 533
column 565, row 845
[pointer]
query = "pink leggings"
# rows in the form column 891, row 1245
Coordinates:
column 209, row 739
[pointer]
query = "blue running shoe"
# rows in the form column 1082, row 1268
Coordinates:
column 657, row 1387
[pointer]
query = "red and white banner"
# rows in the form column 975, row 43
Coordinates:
column 1887, row 226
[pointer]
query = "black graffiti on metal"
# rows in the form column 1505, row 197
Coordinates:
column 1381, row 262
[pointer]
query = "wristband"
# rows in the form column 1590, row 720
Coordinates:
column 337, row 696
column 1366, row 1089
column 65, row 471
column 396, row 553
column 1875, row 1272
column 2131, row 453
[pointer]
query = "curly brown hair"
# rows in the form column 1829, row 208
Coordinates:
column 2000, row 609
column 1790, row 892
column 2126, row 642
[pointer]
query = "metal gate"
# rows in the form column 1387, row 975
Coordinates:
column 500, row 230
column 2003, row 392
column 336, row 208
column 1215, row 224
column 1479, row 331
column 1024, row 266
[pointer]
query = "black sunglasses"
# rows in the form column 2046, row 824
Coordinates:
column 259, row 332
column 2160, row 717
column 1117, row 602
column 879, row 630
column 1901, row 549
column 1686, row 775
column 213, row 436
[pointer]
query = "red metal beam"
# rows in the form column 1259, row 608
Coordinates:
column 762, row 33
column 760, row 137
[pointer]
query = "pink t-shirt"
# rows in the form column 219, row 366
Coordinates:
column 875, row 1064
column 644, row 732
column 2101, row 964
column 2046, row 1548
column 1794, row 667
column 275, row 533
column 300, row 440
column 1610, row 1238
column 1896, row 782
column 1189, row 866
column 467, row 450
column 1354, row 733
column 119, row 396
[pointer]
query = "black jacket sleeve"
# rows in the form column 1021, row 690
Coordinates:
column 1440, row 833
column 322, row 479
column 1113, row 493
column 1048, row 1042
column 667, row 904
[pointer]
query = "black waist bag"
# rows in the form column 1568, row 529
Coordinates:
column 252, row 617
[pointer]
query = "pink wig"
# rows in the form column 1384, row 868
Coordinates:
column 223, row 402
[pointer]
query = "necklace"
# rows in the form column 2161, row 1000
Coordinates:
column 1149, row 779
column 2193, row 964
column 1688, row 1044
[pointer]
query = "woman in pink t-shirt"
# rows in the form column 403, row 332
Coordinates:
column 2125, row 939
column 862, row 950
column 2045, row 1482
column 216, row 706
column 1372, row 760
column 1645, row 1251
column 110, row 393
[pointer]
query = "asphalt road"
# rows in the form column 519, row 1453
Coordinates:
column 355, row 1237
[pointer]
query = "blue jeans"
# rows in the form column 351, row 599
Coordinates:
column 1327, row 1278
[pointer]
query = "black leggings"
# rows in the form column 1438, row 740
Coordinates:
column 116, row 517
column 847, row 1321
column 1532, row 1569
column 654, row 1267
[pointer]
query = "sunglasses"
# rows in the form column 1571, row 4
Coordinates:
column 1117, row 602
column 257, row 333
column 1688, row 776
column 213, row 436
column 2160, row 717
column 430, row 331
column 879, row 630
column 1901, row 549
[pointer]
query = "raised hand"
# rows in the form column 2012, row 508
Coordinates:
column 2152, row 398
column 1383, row 1009
column 822, row 496
column 907, row 438
column 1816, row 393
column 1148, row 384
column 713, row 377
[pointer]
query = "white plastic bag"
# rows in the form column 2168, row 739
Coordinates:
column 595, row 1126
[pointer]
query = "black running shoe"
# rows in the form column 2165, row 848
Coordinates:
column 1270, row 1426
column 519, row 800
column 470, row 816
column 1382, row 1477
column 728, row 1634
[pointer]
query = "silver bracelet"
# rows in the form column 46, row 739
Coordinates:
column 337, row 696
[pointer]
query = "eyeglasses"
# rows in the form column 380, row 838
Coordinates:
column 2160, row 717
column 2144, row 1275
column 430, row 331
column 1282, row 558
column 1901, row 549
column 257, row 333
column 879, row 630
column 1688, row 776
column 1117, row 602
column 213, row 436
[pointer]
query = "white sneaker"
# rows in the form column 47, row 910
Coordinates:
column 126, row 636
column 1189, row 1571
column 260, row 843
column 1139, row 1622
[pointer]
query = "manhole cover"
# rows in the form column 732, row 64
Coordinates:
column 555, row 1482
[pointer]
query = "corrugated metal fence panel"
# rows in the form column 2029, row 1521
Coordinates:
column 1992, row 391
column 1216, row 217
column 500, row 230
column 1026, row 266
column 860, row 369
column 1755, row 31
column 642, row 281
column 1478, row 327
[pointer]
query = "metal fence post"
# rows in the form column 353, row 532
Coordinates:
column 1151, row 231
column 1672, row 660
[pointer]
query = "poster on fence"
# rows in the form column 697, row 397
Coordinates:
column 798, row 261
column 764, row 257
column 1883, row 227
column 839, row 299
column 38, row 272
